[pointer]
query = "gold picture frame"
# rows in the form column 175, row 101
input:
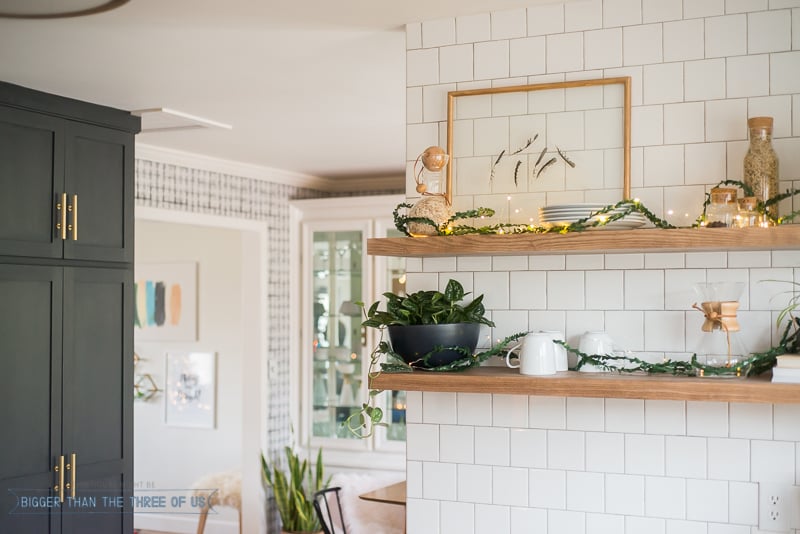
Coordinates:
column 625, row 81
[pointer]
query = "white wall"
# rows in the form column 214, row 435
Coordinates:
column 579, row 466
column 699, row 69
column 517, row 464
column 495, row 463
column 167, row 457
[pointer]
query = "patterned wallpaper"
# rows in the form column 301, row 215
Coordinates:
column 180, row 188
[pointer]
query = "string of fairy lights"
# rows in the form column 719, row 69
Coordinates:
column 599, row 218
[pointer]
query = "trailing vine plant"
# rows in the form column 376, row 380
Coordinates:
column 363, row 423
column 420, row 308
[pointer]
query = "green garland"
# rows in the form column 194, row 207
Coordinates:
column 626, row 207
column 755, row 364
column 363, row 423
column 761, row 207
column 469, row 360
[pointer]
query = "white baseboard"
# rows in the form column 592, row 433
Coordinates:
column 183, row 524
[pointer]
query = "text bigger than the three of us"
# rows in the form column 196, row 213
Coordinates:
column 138, row 502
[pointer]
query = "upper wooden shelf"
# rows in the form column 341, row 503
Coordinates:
column 599, row 385
column 601, row 241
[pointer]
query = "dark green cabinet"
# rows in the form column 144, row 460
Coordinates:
column 31, row 181
column 30, row 388
column 97, row 357
column 66, row 314
column 72, row 185
column 65, row 342
column 99, row 173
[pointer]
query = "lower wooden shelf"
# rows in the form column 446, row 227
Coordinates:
column 599, row 385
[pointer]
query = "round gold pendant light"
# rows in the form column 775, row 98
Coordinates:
column 55, row 9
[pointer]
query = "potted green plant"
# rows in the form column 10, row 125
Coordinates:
column 294, row 491
column 790, row 339
column 430, row 330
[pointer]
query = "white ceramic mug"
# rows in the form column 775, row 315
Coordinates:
column 560, row 352
column 537, row 355
column 595, row 342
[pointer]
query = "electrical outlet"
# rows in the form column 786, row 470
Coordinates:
column 778, row 506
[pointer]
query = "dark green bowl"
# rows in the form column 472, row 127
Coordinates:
column 415, row 341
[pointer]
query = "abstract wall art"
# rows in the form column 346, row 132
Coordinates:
column 166, row 302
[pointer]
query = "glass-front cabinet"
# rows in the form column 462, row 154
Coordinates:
column 337, row 341
column 334, row 277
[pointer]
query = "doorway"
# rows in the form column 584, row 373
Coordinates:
column 230, row 259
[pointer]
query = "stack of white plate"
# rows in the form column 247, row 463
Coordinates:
column 564, row 214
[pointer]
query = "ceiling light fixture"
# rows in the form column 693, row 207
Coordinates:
column 166, row 120
column 56, row 9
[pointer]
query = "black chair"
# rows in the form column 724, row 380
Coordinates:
column 329, row 510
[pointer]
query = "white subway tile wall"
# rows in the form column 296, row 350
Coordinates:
column 439, row 481
column 457, row 517
column 699, row 69
column 742, row 6
column 625, row 494
column 712, row 64
column 510, row 411
column 644, row 455
column 605, row 452
column 645, row 525
column 607, row 473
column 661, row 10
column 686, row 457
column 665, row 497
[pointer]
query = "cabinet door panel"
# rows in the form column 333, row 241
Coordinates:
column 98, row 363
column 31, row 167
column 30, row 389
column 98, row 380
column 99, row 169
column 93, row 511
column 20, row 518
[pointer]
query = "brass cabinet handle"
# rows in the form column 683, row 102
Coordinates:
column 60, row 486
column 73, row 473
column 73, row 208
column 61, row 225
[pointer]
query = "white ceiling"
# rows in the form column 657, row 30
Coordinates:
column 310, row 86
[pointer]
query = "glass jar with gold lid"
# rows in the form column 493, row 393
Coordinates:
column 761, row 162
column 748, row 215
column 722, row 211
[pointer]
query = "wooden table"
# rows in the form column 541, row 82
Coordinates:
column 393, row 494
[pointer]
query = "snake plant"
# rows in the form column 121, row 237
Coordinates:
column 294, row 495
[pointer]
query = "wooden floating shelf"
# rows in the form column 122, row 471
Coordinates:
column 598, row 241
column 599, row 385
